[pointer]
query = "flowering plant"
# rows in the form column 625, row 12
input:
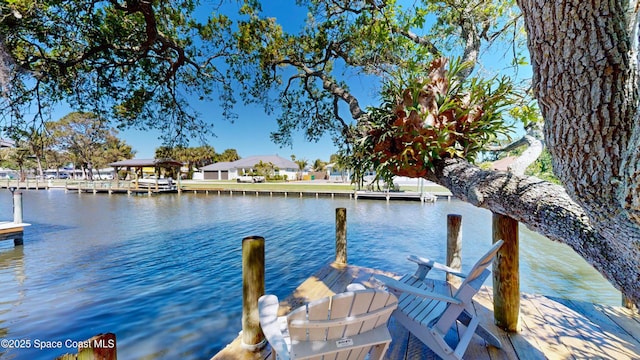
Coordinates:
column 433, row 118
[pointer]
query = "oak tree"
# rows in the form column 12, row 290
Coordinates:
column 584, row 59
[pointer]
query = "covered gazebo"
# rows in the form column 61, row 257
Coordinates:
column 138, row 166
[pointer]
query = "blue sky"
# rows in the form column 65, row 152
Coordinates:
column 250, row 133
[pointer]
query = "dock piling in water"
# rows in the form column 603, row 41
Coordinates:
column 17, row 207
column 341, row 236
column 252, row 288
column 454, row 245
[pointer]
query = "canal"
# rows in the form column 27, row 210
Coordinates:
column 164, row 272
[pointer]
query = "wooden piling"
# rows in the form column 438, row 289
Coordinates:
column 18, row 239
column 454, row 245
column 17, row 207
column 252, row 288
column 627, row 303
column 341, row 236
column 506, row 277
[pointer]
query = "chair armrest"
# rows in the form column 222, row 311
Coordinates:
column 268, row 313
column 408, row 289
column 424, row 265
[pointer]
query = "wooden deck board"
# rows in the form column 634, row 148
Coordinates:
column 602, row 332
column 624, row 318
column 577, row 333
column 550, row 328
column 536, row 330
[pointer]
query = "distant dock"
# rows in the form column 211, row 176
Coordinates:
column 396, row 195
column 130, row 188
column 7, row 227
column 118, row 187
column 28, row 184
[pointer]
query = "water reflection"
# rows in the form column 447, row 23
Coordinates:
column 13, row 258
column 163, row 273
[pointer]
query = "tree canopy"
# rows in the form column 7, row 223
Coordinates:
column 134, row 62
column 87, row 141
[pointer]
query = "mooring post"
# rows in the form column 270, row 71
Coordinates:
column 252, row 288
column 99, row 347
column 18, row 239
column 17, row 207
column 627, row 303
column 506, row 277
column 454, row 245
column 341, row 236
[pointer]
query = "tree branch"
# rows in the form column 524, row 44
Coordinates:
column 547, row 209
column 534, row 148
column 419, row 40
column 332, row 87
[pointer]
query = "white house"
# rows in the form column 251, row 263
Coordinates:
column 232, row 170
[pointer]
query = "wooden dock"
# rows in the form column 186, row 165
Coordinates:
column 28, row 184
column 129, row 188
column 115, row 187
column 12, row 231
column 396, row 195
column 109, row 187
column 9, row 227
column 550, row 328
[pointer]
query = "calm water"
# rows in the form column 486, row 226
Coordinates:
column 164, row 273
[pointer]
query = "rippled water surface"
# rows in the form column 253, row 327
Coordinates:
column 164, row 273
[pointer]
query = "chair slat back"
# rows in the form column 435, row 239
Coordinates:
column 381, row 300
column 477, row 271
column 342, row 315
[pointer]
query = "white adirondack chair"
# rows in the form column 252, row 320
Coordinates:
column 429, row 312
column 348, row 325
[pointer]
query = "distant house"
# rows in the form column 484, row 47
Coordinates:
column 232, row 170
column 146, row 167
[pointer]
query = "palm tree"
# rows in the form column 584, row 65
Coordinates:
column 319, row 165
column 302, row 163
column 339, row 162
column 228, row 155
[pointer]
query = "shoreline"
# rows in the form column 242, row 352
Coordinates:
column 311, row 188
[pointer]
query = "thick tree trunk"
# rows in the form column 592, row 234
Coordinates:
column 547, row 209
column 585, row 79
